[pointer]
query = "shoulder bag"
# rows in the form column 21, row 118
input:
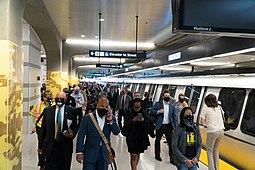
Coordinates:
column 110, row 150
column 226, row 126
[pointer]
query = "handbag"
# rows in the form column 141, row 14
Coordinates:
column 110, row 150
column 226, row 126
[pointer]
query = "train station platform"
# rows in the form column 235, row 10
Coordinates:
column 147, row 160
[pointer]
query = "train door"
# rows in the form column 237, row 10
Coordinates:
column 157, row 93
column 192, row 96
column 179, row 89
column 141, row 88
column 152, row 90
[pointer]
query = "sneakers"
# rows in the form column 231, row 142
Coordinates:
column 158, row 158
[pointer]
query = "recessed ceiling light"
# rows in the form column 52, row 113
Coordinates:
column 102, row 20
column 96, row 36
column 252, row 59
column 83, row 36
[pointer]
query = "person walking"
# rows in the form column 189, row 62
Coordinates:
column 187, row 142
column 165, row 123
column 59, row 128
column 137, row 125
column 211, row 116
column 93, row 152
column 36, row 112
column 179, row 105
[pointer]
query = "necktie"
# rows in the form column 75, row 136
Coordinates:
column 58, row 126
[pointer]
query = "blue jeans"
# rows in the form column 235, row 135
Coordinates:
column 182, row 166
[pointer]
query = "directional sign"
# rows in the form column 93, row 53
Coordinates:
column 116, row 54
column 110, row 65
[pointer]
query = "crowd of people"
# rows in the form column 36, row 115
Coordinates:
column 93, row 112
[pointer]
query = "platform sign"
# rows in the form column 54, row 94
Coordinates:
column 116, row 54
column 119, row 66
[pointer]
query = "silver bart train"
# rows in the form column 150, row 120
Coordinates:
column 237, row 96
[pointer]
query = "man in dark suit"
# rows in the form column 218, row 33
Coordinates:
column 112, row 97
column 94, row 153
column 165, row 123
column 59, row 127
column 123, row 105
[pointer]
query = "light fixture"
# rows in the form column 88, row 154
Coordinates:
column 235, row 52
column 87, row 66
column 43, row 56
column 101, row 20
column 83, row 36
column 107, row 43
column 95, row 59
column 96, row 37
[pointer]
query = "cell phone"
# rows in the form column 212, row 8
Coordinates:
column 139, row 115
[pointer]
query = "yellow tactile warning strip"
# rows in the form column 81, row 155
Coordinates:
column 223, row 164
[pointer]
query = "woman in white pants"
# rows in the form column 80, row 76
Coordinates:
column 212, row 118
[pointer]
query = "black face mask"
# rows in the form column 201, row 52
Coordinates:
column 102, row 112
column 181, row 100
column 167, row 99
column 188, row 120
column 49, row 99
column 60, row 102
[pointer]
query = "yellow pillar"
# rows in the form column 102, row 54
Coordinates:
column 56, row 81
column 11, row 98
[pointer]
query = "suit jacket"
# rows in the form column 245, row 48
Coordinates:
column 91, row 148
column 160, row 117
column 47, row 134
column 126, row 104
column 112, row 99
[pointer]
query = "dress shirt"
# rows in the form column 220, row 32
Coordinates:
column 166, row 113
column 62, row 109
column 100, row 121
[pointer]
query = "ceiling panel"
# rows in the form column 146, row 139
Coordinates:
column 75, row 17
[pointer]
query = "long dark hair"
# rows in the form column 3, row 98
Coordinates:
column 182, row 115
column 211, row 100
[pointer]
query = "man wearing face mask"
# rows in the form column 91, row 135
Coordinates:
column 36, row 112
column 79, row 100
column 59, row 128
column 179, row 105
column 70, row 101
column 166, row 122
column 187, row 142
column 93, row 153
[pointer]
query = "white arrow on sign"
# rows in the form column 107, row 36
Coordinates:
column 92, row 53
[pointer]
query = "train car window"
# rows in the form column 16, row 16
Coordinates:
column 248, row 126
column 165, row 87
column 195, row 98
column 172, row 90
column 232, row 101
column 142, row 88
column 152, row 89
column 134, row 87
column 187, row 93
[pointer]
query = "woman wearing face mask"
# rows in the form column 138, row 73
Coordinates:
column 187, row 142
column 212, row 117
column 138, row 127
column 179, row 105
column 36, row 112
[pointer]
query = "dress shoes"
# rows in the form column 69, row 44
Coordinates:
column 158, row 158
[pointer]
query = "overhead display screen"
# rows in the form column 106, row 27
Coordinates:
column 234, row 16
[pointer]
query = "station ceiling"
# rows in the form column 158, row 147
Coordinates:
column 79, row 20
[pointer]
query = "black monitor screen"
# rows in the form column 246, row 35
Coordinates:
column 218, row 15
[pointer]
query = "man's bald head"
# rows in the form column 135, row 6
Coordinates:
column 61, row 95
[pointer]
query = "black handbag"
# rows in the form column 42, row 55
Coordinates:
column 226, row 126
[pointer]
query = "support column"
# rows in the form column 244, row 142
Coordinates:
column 11, row 83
